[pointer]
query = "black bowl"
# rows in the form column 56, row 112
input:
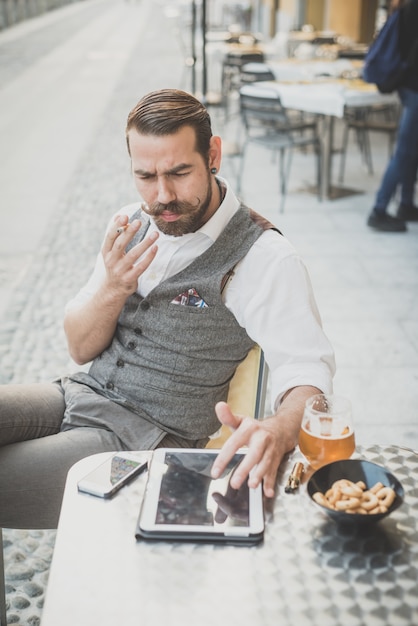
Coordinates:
column 354, row 470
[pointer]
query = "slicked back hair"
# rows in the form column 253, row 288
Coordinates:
column 166, row 111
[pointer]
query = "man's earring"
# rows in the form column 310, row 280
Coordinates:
column 213, row 170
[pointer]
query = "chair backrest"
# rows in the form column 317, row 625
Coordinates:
column 255, row 72
column 238, row 59
column 247, row 392
column 262, row 109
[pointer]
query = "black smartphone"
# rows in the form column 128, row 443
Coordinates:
column 112, row 474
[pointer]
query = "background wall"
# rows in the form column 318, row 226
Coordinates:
column 354, row 18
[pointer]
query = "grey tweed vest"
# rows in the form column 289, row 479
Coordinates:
column 171, row 362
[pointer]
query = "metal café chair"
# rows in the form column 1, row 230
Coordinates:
column 248, row 74
column 232, row 65
column 363, row 121
column 268, row 124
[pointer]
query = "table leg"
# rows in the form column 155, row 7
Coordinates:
column 327, row 191
column 327, row 138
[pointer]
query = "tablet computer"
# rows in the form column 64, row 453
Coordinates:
column 182, row 501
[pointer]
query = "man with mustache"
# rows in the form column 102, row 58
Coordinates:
column 187, row 281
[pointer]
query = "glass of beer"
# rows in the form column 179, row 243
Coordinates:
column 327, row 432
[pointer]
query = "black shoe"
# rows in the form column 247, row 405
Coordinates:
column 408, row 213
column 386, row 223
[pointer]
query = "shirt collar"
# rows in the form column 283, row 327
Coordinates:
column 228, row 207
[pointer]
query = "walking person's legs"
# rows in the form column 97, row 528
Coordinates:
column 408, row 156
column 401, row 169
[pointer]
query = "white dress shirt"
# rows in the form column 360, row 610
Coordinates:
column 270, row 295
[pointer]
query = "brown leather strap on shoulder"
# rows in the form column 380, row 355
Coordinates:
column 262, row 221
column 228, row 276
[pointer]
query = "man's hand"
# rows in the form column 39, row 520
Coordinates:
column 90, row 327
column 124, row 268
column 267, row 440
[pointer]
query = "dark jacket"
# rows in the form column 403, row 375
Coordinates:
column 408, row 39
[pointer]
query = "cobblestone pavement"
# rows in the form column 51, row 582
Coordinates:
column 32, row 343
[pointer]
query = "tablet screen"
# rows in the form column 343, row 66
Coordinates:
column 189, row 497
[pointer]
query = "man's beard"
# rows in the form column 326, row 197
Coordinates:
column 192, row 216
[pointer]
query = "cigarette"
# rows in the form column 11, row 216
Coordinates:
column 121, row 229
column 294, row 478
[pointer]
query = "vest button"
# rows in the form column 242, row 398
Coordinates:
column 145, row 305
column 109, row 385
column 131, row 345
column 120, row 362
column 138, row 331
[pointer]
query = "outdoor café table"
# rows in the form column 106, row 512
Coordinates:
column 327, row 97
column 294, row 69
column 308, row 571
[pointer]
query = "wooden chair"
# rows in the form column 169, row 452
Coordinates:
column 247, row 392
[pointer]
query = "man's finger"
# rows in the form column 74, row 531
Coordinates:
column 225, row 415
column 236, row 441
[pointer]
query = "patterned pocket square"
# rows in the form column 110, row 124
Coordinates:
column 190, row 298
